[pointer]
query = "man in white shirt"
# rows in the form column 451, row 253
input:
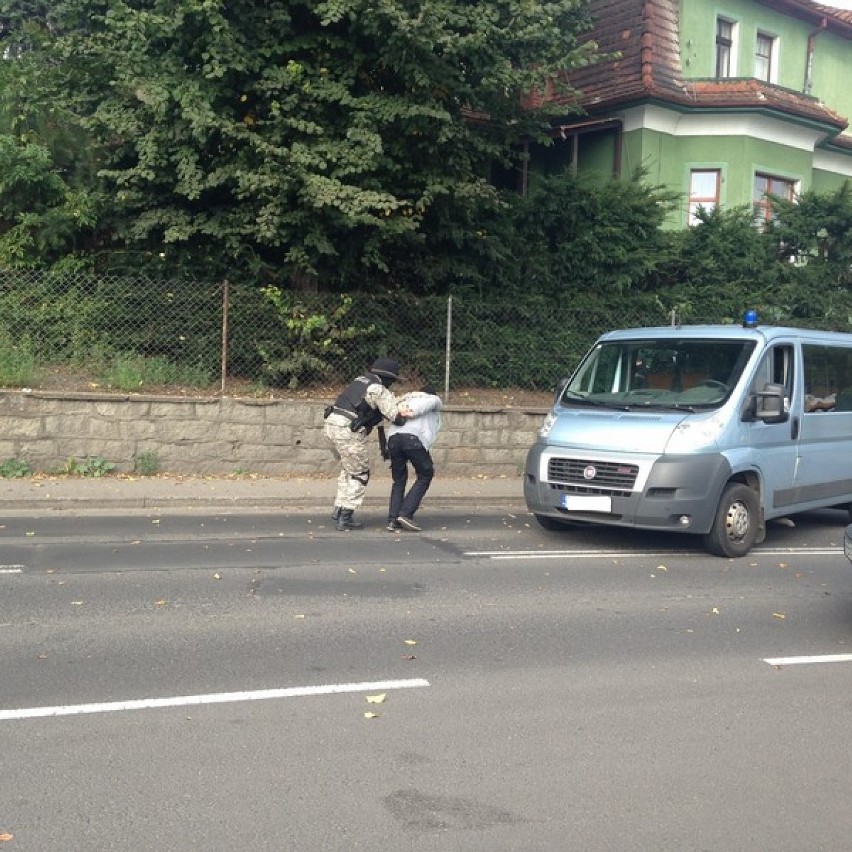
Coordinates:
column 411, row 442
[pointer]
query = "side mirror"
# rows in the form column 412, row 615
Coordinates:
column 769, row 404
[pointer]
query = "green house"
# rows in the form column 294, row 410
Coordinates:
column 722, row 102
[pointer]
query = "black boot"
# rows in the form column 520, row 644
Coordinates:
column 335, row 513
column 347, row 522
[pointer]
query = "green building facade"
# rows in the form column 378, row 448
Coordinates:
column 724, row 103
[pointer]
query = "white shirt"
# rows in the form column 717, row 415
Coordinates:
column 426, row 420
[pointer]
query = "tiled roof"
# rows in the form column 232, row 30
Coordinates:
column 645, row 35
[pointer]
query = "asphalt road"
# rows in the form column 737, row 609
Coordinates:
column 262, row 682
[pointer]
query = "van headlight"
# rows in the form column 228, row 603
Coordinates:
column 544, row 431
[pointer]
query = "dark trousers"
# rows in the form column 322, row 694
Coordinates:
column 403, row 449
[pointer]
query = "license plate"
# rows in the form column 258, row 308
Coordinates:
column 586, row 503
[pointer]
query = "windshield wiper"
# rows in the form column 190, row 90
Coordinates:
column 665, row 406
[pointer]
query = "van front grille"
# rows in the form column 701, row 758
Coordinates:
column 593, row 475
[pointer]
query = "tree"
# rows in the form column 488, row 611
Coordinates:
column 282, row 139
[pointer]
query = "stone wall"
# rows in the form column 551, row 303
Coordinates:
column 223, row 435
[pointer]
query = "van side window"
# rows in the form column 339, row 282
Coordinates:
column 776, row 367
column 828, row 378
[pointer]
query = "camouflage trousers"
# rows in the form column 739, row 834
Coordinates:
column 352, row 449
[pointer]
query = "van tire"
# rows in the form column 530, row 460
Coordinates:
column 735, row 526
column 552, row 524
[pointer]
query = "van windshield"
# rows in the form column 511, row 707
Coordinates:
column 665, row 373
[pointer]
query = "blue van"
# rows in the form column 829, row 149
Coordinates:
column 711, row 430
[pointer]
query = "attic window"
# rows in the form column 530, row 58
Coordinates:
column 764, row 58
column 725, row 54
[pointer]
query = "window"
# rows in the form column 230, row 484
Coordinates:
column 766, row 185
column 764, row 56
column 725, row 31
column 828, row 378
column 704, row 189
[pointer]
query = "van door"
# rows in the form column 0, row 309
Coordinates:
column 775, row 445
column 824, row 475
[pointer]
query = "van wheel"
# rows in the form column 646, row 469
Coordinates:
column 552, row 524
column 735, row 526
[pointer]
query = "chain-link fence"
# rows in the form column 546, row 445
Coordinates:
column 142, row 331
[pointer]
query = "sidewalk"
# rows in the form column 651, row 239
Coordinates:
column 159, row 493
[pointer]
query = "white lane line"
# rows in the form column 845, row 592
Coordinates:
column 622, row 554
column 798, row 661
column 210, row 698
column 11, row 569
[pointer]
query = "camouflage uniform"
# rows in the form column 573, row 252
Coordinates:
column 353, row 447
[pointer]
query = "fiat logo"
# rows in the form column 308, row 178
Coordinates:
column 590, row 472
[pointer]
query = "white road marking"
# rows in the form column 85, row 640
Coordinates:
column 211, row 698
column 11, row 569
column 623, row 554
column 798, row 661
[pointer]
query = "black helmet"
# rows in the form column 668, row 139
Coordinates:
column 387, row 368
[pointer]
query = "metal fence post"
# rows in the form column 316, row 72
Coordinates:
column 225, row 297
column 449, row 348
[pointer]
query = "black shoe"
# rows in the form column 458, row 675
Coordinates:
column 335, row 513
column 392, row 526
column 408, row 524
column 347, row 522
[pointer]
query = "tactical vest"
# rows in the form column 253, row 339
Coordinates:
column 351, row 402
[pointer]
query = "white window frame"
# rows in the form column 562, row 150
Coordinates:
column 708, row 202
column 774, row 44
column 732, row 48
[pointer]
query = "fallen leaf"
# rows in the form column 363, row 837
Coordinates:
column 160, row 603
column 715, row 610
column 217, row 576
column 352, row 570
column 369, row 715
column 6, row 837
column 410, row 641
column 778, row 615
column 376, row 699
column 407, row 657
column 76, row 603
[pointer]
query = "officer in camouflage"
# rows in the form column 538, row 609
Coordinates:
column 363, row 404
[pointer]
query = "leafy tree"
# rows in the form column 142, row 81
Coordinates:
column 294, row 136
column 579, row 237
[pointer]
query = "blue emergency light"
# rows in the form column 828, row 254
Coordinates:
column 750, row 318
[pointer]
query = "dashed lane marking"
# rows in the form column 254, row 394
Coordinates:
column 210, row 698
column 11, row 569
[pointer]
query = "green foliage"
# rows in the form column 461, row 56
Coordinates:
column 134, row 372
column 308, row 343
column 579, row 237
column 147, row 463
column 283, row 138
column 17, row 364
column 91, row 466
column 15, row 469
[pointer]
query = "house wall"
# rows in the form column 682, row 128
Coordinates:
column 698, row 40
column 669, row 159
column 831, row 69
